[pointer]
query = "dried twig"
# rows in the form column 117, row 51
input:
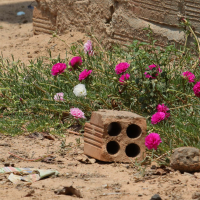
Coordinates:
column 164, row 155
column 73, row 132
column 32, row 160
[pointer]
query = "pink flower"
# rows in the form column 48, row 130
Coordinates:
column 84, row 74
column 77, row 113
column 157, row 117
column 189, row 75
column 152, row 141
column 75, row 62
column 123, row 78
column 121, row 67
column 151, row 67
column 196, row 89
column 88, row 48
column 59, row 96
column 163, row 108
column 58, row 69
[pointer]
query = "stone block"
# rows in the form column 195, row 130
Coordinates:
column 186, row 159
column 115, row 136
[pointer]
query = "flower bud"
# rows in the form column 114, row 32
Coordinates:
column 114, row 78
column 133, row 69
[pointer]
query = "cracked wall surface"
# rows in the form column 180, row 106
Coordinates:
column 117, row 20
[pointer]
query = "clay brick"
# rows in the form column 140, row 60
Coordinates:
column 115, row 136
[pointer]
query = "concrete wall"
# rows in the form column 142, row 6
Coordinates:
column 117, row 20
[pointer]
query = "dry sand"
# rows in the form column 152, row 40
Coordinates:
column 95, row 181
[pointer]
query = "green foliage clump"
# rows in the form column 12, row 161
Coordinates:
column 27, row 92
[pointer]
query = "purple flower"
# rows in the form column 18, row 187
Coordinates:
column 157, row 117
column 189, row 75
column 124, row 78
column 84, row 74
column 151, row 67
column 59, row 96
column 163, row 108
column 196, row 89
column 58, row 69
column 121, row 67
column 75, row 62
column 152, row 141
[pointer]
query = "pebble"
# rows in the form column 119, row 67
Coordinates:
column 196, row 195
column 156, row 197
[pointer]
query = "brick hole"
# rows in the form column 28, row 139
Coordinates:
column 133, row 131
column 132, row 150
column 112, row 147
column 114, row 129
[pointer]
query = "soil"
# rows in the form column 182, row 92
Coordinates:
column 95, row 181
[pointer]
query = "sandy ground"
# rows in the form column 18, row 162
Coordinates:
column 95, row 181
column 17, row 39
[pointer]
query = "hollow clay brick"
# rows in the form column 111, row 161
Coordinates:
column 115, row 136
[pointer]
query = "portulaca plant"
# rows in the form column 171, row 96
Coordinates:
column 161, row 84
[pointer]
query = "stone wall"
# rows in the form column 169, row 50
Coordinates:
column 117, row 20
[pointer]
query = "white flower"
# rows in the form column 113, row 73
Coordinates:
column 80, row 90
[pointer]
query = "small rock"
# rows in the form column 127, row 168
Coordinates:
column 36, row 51
column 19, row 186
column 186, row 159
column 159, row 172
column 156, row 197
column 187, row 174
column 196, row 195
column 29, row 56
column 154, row 165
column 139, row 195
column 85, row 159
column 30, row 193
column 24, row 21
column 197, row 175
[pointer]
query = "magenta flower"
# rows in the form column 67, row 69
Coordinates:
column 59, row 96
column 75, row 62
column 58, row 69
column 157, row 117
column 189, row 75
column 123, row 78
column 84, row 74
column 152, row 141
column 88, row 48
column 77, row 113
column 151, row 67
column 196, row 89
column 121, row 67
column 163, row 108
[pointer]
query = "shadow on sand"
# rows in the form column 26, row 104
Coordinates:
column 8, row 12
